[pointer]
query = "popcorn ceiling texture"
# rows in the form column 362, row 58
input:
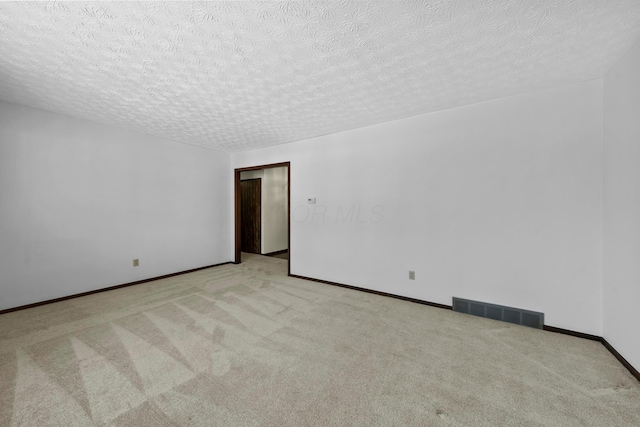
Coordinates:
column 242, row 75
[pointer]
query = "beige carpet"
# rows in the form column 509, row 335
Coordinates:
column 247, row 345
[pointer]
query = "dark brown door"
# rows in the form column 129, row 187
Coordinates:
column 251, row 199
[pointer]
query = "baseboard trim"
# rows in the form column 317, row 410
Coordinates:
column 547, row 328
column 276, row 253
column 603, row 341
column 110, row 288
column 572, row 333
column 621, row 359
column 371, row 291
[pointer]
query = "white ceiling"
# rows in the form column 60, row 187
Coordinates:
column 242, row 75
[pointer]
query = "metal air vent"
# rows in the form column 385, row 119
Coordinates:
column 518, row 316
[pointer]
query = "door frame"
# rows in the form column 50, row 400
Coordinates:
column 238, row 213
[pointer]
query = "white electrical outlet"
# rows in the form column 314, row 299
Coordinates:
column 412, row 275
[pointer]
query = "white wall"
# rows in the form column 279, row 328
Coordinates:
column 622, row 206
column 80, row 200
column 273, row 207
column 499, row 202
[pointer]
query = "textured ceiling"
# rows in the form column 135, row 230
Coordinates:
column 242, row 75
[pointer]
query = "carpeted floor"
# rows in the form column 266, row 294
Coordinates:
column 246, row 345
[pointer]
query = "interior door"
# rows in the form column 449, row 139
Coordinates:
column 251, row 200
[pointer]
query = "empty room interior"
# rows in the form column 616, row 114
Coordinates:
column 448, row 193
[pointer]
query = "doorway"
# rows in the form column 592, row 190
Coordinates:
column 245, row 231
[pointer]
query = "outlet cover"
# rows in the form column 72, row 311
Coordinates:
column 412, row 275
column 136, row 262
